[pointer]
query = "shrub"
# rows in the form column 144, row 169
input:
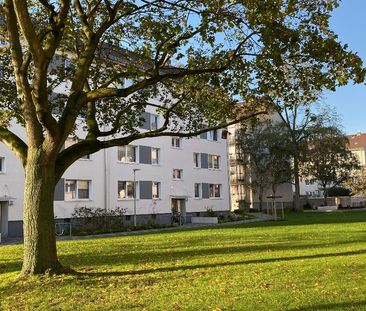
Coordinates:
column 243, row 205
column 92, row 220
column 338, row 192
column 210, row 212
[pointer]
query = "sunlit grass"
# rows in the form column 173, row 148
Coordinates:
column 308, row 262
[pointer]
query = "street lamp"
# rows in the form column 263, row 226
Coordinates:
column 134, row 195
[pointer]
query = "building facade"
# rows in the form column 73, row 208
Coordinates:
column 310, row 187
column 357, row 144
column 171, row 175
column 243, row 195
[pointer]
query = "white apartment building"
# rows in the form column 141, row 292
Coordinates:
column 171, row 173
column 240, row 180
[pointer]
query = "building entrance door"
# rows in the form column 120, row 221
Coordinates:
column 178, row 211
column 4, row 219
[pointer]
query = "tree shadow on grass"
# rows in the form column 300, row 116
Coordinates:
column 352, row 305
column 149, row 274
column 306, row 218
column 10, row 266
column 217, row 265
column 291, row 219
column 123, row 256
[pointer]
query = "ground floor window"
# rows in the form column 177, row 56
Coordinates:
column 77, row 189
column 126, row 189
column 197, row 191
column 155, row 190
column 2, row 164
column 215, row 190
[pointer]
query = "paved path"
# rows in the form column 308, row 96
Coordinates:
column 258, row 217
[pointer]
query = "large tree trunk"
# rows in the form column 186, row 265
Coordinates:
column 40, row 255
column 298, row 207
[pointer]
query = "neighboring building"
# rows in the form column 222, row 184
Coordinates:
column 309, row 187
column 172, row 174
column 357, row 145
column 242, row 194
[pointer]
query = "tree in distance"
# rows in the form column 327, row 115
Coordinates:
column 262, row 149
column 329, row 160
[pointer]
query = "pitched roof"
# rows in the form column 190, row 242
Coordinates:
column 357, row 141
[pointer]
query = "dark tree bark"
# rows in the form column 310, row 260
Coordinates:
column 40, row 254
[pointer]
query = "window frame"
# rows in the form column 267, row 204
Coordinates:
column 153, row 122
column 212, row 191
column 2, row 165
column 196, row 160
column 179, row 175
column 77, row 198
column 199, row 189
column 158, row 188
column 119, row 159
column 176, row 139
column 134, row 189
column 212, row 135
column 211, row 162
column 157, row 156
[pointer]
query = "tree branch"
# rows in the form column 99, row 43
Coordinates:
column 85, row 147
column 15, row 144
column 33, row 127
column 28, row 30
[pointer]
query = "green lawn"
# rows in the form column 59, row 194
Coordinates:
column 311, row 261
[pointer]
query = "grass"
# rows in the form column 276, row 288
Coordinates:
column 311, row 261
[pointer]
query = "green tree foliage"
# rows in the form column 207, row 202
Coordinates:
column 357, row 183
column 262, row 148
column 301, row 116
column 338, row 191
column 197, row 59
column 328, row 159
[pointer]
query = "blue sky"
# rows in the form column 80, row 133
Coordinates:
column 349, row 22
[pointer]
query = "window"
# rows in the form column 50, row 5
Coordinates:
column 155, row 190
column 127, row 154
column 213, row 161
column 196, row 160
column 197, row 191
column 2, row 164
column 77, row 189
column 177, row 173
column 212, row 135
column 307, row 182
column 153, row 121
column 155, row 155
column 71, row 141
column 175, row 142
column 126, row 190
column 215, row 191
